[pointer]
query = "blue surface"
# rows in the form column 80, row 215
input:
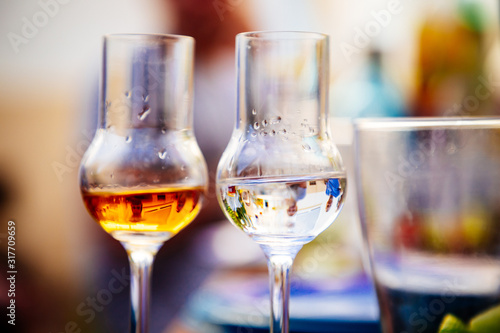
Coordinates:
column 241, row 306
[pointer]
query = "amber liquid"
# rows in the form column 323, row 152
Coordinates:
column 166, row 210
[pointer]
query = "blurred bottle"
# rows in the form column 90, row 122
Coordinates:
column 450, row 62
column 374, row 94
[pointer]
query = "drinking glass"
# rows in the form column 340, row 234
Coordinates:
column 143, row 177
column 281, row 179
column 429, row 202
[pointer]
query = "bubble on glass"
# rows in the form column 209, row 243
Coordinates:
column 272, row 133
column 156, row 180
column 256, row 125
column 275, row 120
column 128, row 139
column 183, row 167
column 253, row 134
column 127, row 94
column 163, row 130
column 145, row 98
column 306, row 147
column 112, row 175
column 144, row 113
column 282, row 132
column 254, row 112
column 264, row 123
column 162, row 153
column 311, row 130
column 264, row 133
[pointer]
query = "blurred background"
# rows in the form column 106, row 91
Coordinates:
column 388, row 58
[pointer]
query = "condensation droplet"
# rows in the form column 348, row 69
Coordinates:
column 306, row 147
column 256, row 125
column 156, row 180
column 451, row 149
column 253, row 134
column 145, row 98
column 112, row 175
column 128, row 139
column 282, row 132
column 264, row 123
column 272, row 133
column 144, row 113
column 275, row 120
column 183, row 167
column 127, row 94
column 311, row 130
column 264, row 133
column 254, row 112
column 164, row 130
column 162, row 153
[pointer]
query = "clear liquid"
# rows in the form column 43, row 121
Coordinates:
column 285, row 210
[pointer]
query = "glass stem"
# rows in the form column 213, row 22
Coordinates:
column 280, row 263
column 141, row 263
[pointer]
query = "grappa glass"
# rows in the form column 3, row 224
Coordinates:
column 281, row 179
column 143, row 177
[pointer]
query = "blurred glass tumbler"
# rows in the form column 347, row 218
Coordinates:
column 429, row 202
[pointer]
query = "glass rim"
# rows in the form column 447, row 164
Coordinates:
column 146, row 37
column 283, row 35
column 416, row 123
